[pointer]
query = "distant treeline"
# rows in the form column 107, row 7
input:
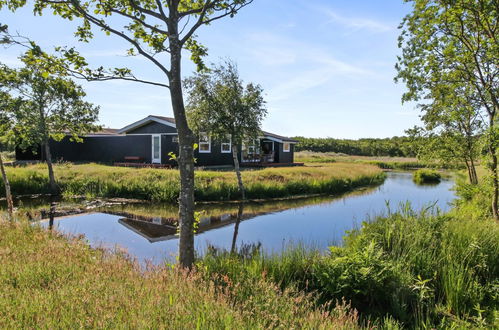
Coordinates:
column 393, row 147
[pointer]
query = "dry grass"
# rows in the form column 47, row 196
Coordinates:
column 49, row 281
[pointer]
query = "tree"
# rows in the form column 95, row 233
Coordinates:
column 453, row 44
column 152, row 29
column 51, row 108
column 453, row 127
column 218, row 103
column 6, row 106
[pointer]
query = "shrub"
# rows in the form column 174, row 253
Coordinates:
column 426, row 176
column 421, row 269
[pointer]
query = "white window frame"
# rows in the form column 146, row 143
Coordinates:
column 225, row 143
column 284, row 149
column 202, row 143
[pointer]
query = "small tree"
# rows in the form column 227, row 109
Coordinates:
column 452, row 44
column 452, row 129
column 220, row 104
column 52, row 108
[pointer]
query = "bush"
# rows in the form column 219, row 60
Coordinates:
column 420, row 269
column 426, row 176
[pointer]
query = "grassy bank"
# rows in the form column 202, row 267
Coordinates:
column 413, row 270
column 389, row 163
column 48, row 281
column 93, row 180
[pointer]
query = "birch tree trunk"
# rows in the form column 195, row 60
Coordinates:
column 493, row 167
column 186, row 149
column 8, row 195
column 473, row 172
column 54, row 190
column 236, row 228
column 238, row 172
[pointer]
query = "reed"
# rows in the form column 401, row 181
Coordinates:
column 162, row 185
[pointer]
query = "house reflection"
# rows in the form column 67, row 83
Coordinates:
column 161, row 228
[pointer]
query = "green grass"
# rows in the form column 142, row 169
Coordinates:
column 50, row 281
column 426, row 176
column 162, row 185
column 420, row 270
column 388, row 163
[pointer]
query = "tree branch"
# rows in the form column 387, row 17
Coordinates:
column 122, row 35
column 234, row 8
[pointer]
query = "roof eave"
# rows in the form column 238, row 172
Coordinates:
column 143, row 122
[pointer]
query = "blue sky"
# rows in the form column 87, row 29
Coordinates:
column 327, row 67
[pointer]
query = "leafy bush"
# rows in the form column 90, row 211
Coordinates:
column 426, row 176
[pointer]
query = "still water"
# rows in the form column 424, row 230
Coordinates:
column 315, row 222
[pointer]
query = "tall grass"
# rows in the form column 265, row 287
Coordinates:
column 162, row 185
column 415, row 269
column 49, row 281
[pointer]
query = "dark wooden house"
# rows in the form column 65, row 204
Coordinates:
column 150, row 140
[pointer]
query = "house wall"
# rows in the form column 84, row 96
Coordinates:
column 153, row 128
column 103, row 149
column 215, row 157
column 285, row 157
column 167, row 146
column 116, row 148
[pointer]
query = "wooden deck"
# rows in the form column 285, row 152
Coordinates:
column 260, row 164
column 256, row 165
column 143, row 165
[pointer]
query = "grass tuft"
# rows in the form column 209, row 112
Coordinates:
column 426, row 176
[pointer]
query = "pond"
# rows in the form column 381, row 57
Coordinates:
column 146, row 232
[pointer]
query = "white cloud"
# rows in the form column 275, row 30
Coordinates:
column 312, row 65
column 358, row 23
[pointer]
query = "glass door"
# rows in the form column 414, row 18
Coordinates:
column 156, row 149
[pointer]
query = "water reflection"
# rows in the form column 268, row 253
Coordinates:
column 148, row 233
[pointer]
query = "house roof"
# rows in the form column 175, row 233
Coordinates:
column 107, row 131
column 272, row 136
column 169, row 121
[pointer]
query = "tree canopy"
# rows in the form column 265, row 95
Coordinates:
column 218, row 102
column 450, row 64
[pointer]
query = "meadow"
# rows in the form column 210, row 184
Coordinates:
column 409, row 269
column 51, row 281
column 383, row 162
column 162, row 185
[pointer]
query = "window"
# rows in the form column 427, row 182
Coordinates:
column 286, row 147
column 204, row 143
column 251, row 151
column 227, row 146
column 175, row 139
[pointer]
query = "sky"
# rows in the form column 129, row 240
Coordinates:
column 326, row 66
